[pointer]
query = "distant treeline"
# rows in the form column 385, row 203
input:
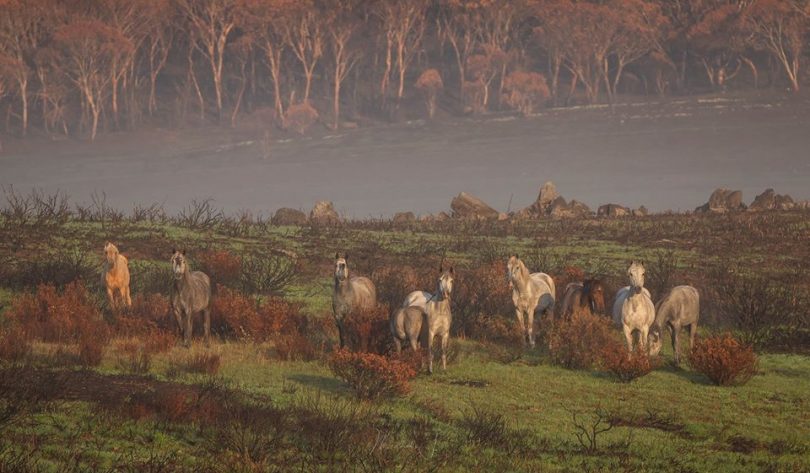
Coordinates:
column 79, row 66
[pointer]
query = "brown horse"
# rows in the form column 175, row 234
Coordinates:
column 587, row 296
column 116, row 276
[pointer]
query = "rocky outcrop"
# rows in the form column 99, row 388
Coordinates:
column 550, row 203
column 404, row 217
column 559, row 208
column 467, row 206
column 323, row 213
column 721, row 201
column 640, row 212
column 287, row 216
column 612, row 210
column 770, row 200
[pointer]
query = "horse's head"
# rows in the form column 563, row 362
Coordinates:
column 636, row 274
column 594, row 295
column 513, row 268
column 341, row 268
column 654, row 340
column 179, row 265
column 110, row 252
column 445, row 282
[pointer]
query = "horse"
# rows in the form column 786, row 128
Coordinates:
column 679, row 308
column 407, row 324
column 587, row 296
column 191, row 293
column 633, row 308
column 350, row 294
column 530, row 293
column 116, row 276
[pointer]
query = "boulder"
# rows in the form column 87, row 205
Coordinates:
column 542, row 206
column 442, row 217
column 721, row 201
column 559, row 208
column 612, row 210
column 323, row 213
column 287, row 216
column 467, row 206
column 770, row 200
column 641, row 212
column 404, row 217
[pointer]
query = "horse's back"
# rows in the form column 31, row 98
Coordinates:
column 418, row 299
column 365, row 293
column 682, row 304
column 407, row 322
column 547, row 283
column 200, row 290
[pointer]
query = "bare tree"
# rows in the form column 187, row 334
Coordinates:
column 303, row 31
column 780, row 27
column 403, row 24
column 341, row 27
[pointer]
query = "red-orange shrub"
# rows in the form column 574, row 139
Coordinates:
column 134, row 358
column 371, row 376
column 202, row 363
column 569, row 274
column 368, row 330
column 14, row 345
column 576, row 342
column 615, row 358
column 394, row 283
column 524, row 90
column 724, row 360
column 159, row 342
column 222, row 266
column 504, row 337
column 91, row 350
column 235, row 315
column 482, row 291
column 148, row 311
column 62, row 317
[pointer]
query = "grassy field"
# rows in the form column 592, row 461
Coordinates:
column 487, row 412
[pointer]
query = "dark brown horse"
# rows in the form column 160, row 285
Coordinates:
column 587, row 296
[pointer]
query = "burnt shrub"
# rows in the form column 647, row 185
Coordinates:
column 222, row 266
column 134, row 358
column 300, row 117
column 368, row 330
column 149, row 312
column 394, row 283
column 371, row 376
column 59, row 269
column 575, row 342
column 14, row 345
column 503, row 338
column 149, row 277
column 724, row 359
column 266, row 274
column 198, row 363
column 662, row 273
column 480, row 291
column 626, row 366
column 91, row 349
column 235, row 315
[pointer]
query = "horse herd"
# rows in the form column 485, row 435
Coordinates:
column 424, row 315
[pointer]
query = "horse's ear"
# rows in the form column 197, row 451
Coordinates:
column 337, row 255
column 452, row 271
column 183, row 252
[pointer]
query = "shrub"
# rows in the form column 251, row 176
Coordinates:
column 371, row 376
column 266, row 274
column 63, row 317
column 222, row 266
column 202, row 363
column 14, row 345
column 724, row 360
column 59, row 269
column 300, row 117
column 148, row 313
column 134, row 358
column 575, row 342
column 91, row 349
column 626, row 366
column 482, row 291
column 394, row 283
column 237, row 316
column 430, row 83
column 485, row 427
column 368, row 330
column 524, row 90
column 504, row 337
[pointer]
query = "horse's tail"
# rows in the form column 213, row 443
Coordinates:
column 398, row 324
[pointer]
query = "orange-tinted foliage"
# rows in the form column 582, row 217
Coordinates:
column 14, row 346
column 91, row 349
column 371, row 376
column 524, row 90
column 202, row 363
column 724, row 360
column 222, row 266
column 148, row 314
column 482, row 291
column 576, row 342
column 300, row 117
column 368, row 330
column 615, row 358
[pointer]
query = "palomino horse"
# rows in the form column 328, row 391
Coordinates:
column 678, row 309
column 116, row 276
column 191, row 293
column 437, row 316
column 408, row 324
column 350, row 294
column 587, row 296
column 531, row 293
column 633, row 308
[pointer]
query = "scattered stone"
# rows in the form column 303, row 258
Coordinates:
column 467, row 206
column 323, row 213
column 404, row 217
column 721, row 201
column 770, row 200
column 612, row 210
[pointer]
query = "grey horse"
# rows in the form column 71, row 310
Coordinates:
column 191, row 293
column 678, row 309
column 408, row 324
column 350, row 294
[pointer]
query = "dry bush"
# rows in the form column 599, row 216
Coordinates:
column 266, row 274
column 576, row 342
column 134, row 358
column 504, row 337
column 568, row 275
column 368, row 330
column 371, row 376
column 300, row 117
column 222, row 266
column 394, row 283
column 430, row 83
column 626, row 366
column 91, row 349
column 524, row 90
column 200, row 363
column 59, row 269
column 62, row 317
column 292, row 332
column 235, row 315
column 149, row 313
column 724, row 360
column 482, row 291
column 14, row 345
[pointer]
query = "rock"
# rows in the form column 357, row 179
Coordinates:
column 287, row 216
column 468, row 206
column 612, row 210
column 503, row 216
column 323, row 213
column 542, row 206
column 559, row 208
column 640, row 212
column 721, row 201
column 770, row 200
column 404, row 217
column 442, row 217
column 802, row 205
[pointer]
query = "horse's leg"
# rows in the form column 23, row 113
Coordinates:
column 111, row 298
column 398, row 345
column 519, row 317
column 642, row 335
column 127, row 298
column 207, row 325
column 178, row 316
column 339, row 324
column 445, row 342
column 692, row 333
column 530, row 325
column 187, row 336
column 430, row 351
column 675, row 345
column 628, row 335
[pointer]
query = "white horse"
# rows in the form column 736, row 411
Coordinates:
column 350, row 294
column 531, row 293
column 678, row 309
column 438, row 317
column 634, row 309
